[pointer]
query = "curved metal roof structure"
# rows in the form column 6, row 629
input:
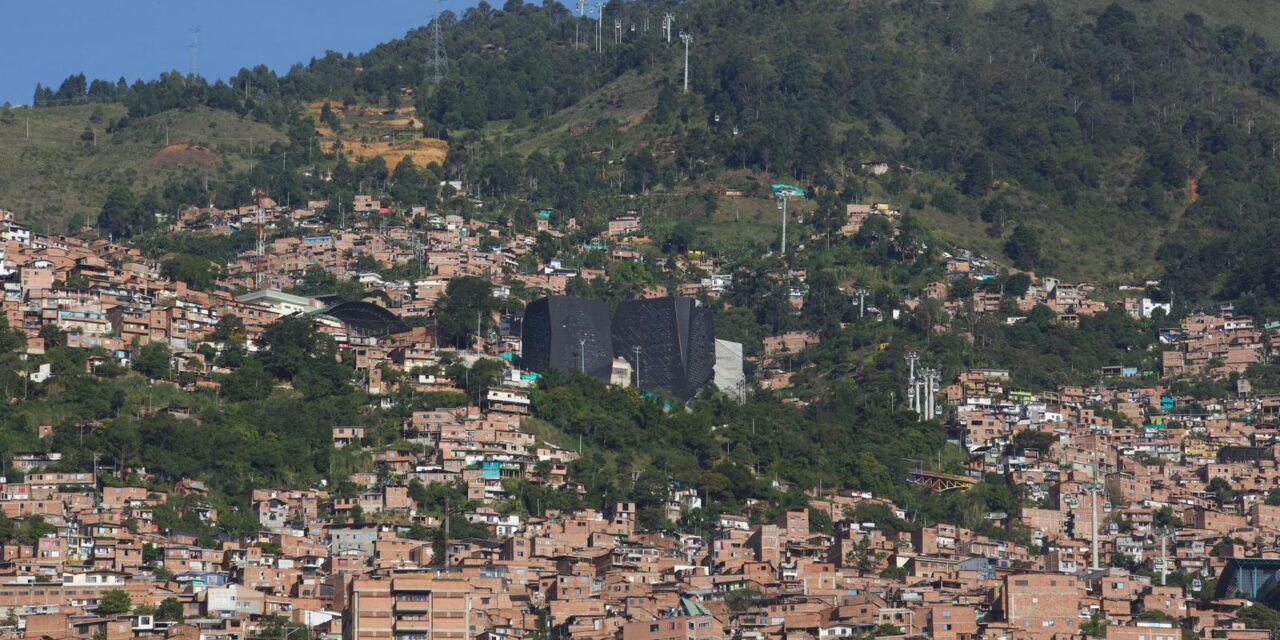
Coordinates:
column 365, row 318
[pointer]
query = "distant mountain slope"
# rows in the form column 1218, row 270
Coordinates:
column 1089, row 139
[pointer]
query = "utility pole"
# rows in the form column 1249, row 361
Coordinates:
column 1164, row 559
column 599, row 25
column 862, row 293
column 636, row 350
column 687, row 38
column 667, row 20
column 446, row 534
column 617, row 30
column 582, row 355
column 1093, row 490
column 262, row 249
column 784, row 196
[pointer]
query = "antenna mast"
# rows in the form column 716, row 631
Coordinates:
column 582, row 8
column 439, row 62
column 195, row 52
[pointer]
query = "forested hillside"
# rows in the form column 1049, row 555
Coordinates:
column 1123, row 139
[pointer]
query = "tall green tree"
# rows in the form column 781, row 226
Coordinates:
column 122, row 214
column 467, row 306
column 114, row 602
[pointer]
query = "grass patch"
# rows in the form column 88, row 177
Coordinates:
column 57, row 171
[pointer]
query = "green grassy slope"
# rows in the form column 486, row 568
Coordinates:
column 53, row 174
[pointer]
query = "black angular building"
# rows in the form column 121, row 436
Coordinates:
column 567, row 334
column 669, row 342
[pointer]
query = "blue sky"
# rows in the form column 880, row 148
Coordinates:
column 48, row 40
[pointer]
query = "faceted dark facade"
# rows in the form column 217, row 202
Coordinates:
column 567, row 334
column 676, row 339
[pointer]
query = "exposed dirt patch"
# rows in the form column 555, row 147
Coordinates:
column 181, row 155
column 424, row 151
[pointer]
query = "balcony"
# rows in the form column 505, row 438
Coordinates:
column 410, row 625
column 413, row 605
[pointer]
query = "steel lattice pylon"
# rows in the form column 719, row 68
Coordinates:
column 439, row 62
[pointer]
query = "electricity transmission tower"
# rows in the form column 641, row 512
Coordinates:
column 439, row 62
